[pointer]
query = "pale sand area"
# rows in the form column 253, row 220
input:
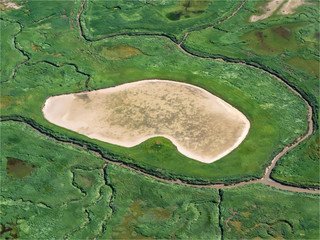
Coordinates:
column 269, row 9
column 9, row 5
column 201, row 125
column 290, row 6
column 287, row 8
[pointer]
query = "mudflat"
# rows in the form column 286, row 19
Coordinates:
column 201, row 125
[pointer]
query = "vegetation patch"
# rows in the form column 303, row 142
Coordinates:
column 187, row 9
column 311, row 66
column 18, row 169
column 10, row 56
column 274, row 40
column 300, row 166
column 5, row 101
column 136, row 211
column 273, row 213
column 119, row 52
column 146, row 208
column 172, row 18
column 287, row 46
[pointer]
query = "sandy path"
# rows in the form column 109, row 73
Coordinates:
column 201, row 125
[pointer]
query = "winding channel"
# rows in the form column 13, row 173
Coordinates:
column 264, row 180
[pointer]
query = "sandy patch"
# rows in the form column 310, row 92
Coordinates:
column 269, row 9
column 290, row 6
column 201, row 125
column 10, row 5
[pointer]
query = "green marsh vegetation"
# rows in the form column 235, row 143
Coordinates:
column 62, row 190
column 171, row 18
column 256, row 210
column 300, row 167
column 47, row 186
column 10, row 56
column 67, row 195
column 262, row 107
column 70, row 195
column 145, row 207
column 287, row 46
column 17, row 168
column 63, row 62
